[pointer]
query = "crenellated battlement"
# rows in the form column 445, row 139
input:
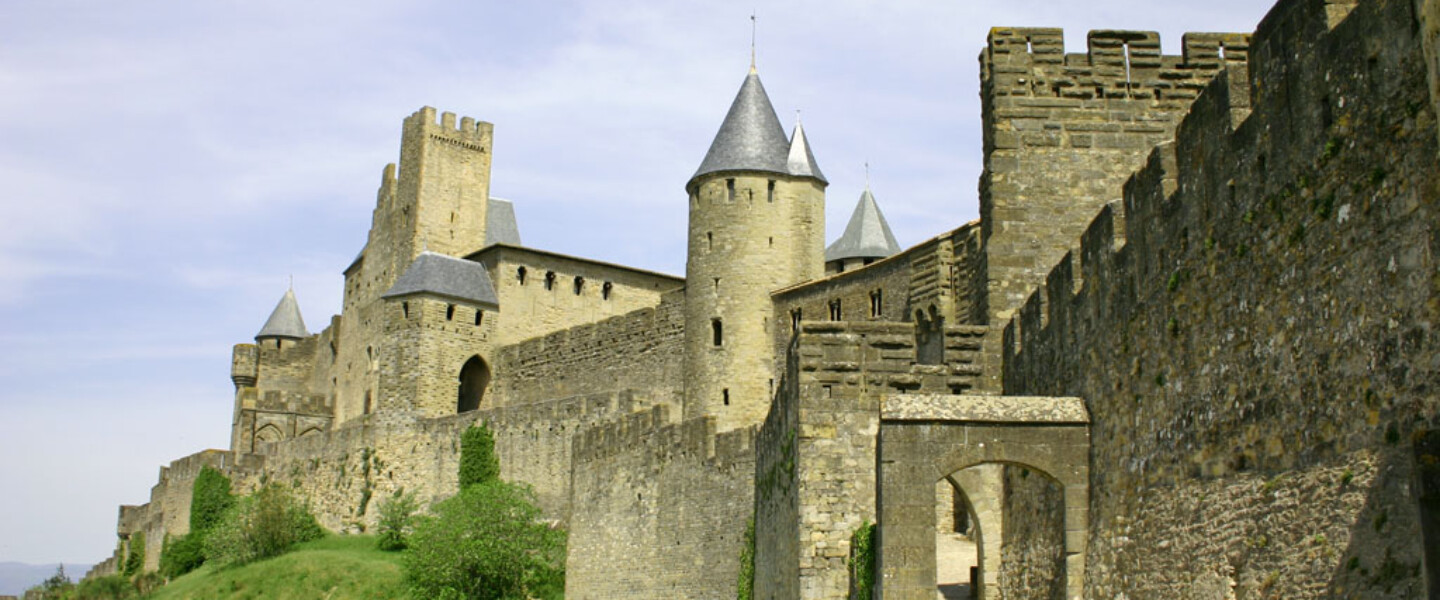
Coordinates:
column 1118, row 64
column 694, row 437
column 466, row 132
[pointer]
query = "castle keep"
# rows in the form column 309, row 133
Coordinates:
column 1189, row 350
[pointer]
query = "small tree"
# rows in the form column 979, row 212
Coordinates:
column 485, row 543
column 397, row 514
column 478, row 463
column 265, row 524
column 135, row 559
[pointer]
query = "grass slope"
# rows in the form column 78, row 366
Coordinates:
column 333, row 568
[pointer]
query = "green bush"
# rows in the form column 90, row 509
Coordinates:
column 182, row 554
column 397, row 514
column 487, row 542
column 478, row 463
column 260, row 526
column 110, row 587
column 210, row 498
column 135, row 558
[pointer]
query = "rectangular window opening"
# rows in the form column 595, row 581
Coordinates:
column 730, row 190
column 717, row 332
column 770, row 191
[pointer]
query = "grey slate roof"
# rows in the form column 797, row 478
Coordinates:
column 866, row 236
column 500, row 225
column 284, row 321
column 801, row 162
column 751, row 138
column 446, row 276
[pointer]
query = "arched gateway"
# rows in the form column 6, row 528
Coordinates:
column 924, row 438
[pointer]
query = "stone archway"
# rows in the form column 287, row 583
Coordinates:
column 926, row 438
column 474, row 378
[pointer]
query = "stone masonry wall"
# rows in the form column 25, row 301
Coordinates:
column 1259, row 353
column 815, row 453
column 660, row 509
column 1063, row 132
column 428, row 340
column 639, row 350
column 1032, row 553
column 345, row 473
column 168, row 511
column 578, row 292
column 750, row 233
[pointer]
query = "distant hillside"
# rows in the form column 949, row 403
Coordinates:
column 16, row 577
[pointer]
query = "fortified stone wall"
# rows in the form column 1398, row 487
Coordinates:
column 428, row 340
column 816, row 449
column 750, row 233
column 168, row 511
column 1063, row 132
column 280, row 393
column 438, row 199
column 660, row 508
column 936, row 283
column 1259, row 354
column 1032, row 553
column 640, row 350
column 542, row 292
column 344, row 473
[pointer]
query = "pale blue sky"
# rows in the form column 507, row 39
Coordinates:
column 169, row 165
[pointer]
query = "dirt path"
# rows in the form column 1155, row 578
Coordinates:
column 954, row 555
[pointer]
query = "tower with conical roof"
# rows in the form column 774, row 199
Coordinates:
column 757, row 223
column 285, row 322
column 867, row 238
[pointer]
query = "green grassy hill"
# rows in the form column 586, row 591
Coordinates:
column 333, row 568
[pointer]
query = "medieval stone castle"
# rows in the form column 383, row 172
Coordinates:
column 1191, row 349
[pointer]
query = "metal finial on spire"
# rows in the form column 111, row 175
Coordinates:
column 753, row 27
column 292, row 281
column 867, row 174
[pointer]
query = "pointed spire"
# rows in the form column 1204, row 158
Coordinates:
column 753, row 28
column 801, row 162
column 285, row 321
column 751, row 138
column 866, row 236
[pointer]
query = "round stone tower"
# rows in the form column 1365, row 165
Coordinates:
column 757, row 224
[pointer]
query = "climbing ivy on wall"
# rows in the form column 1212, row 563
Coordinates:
column 746, row 586
column 862, row 562
column 135, row 560
column 478, row 463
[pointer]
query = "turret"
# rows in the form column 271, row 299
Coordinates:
column 867, row 238
column 284, row 324
column 757, row 223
